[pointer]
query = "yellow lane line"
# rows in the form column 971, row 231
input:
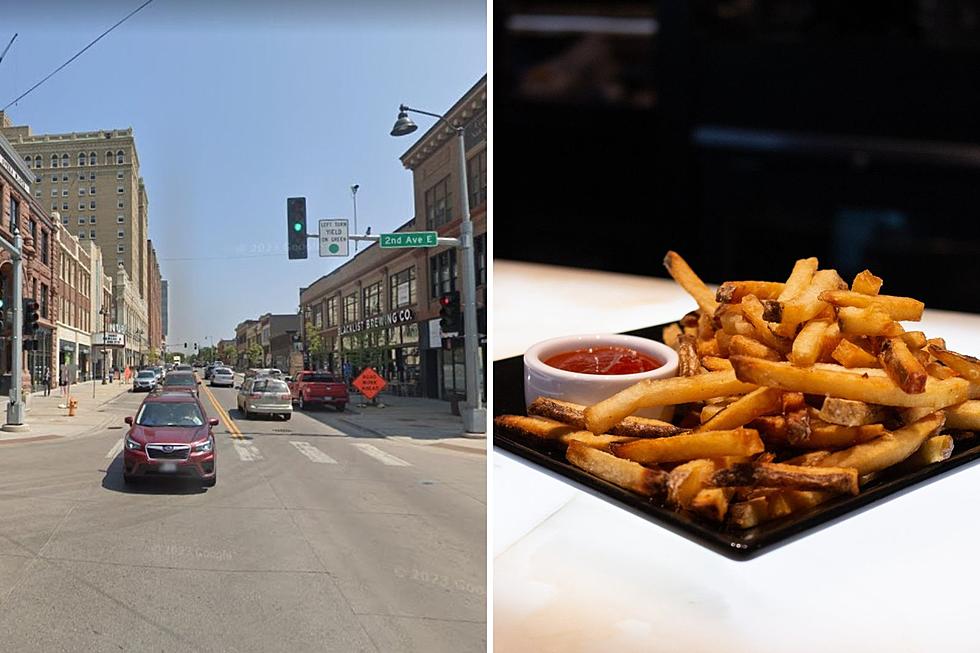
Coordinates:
column 226, row 418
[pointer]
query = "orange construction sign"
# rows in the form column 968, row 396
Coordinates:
column 369, row 383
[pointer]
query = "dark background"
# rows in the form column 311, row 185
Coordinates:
column 744, row 135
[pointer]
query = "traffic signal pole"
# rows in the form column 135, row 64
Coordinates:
column 15, row 407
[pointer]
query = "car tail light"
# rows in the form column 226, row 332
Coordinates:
column 255, row 395
column 286, row 396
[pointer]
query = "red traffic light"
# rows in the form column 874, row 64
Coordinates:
column 446, row 300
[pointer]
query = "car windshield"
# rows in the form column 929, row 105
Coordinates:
column 170, row 414
column 270, row 385
column 222, row 370
column 319, row 377
column 149, row 374
column 179, row 379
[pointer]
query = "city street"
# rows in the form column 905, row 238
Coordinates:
column 319, row 536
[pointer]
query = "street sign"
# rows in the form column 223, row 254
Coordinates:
column 333, row 237
column 369, row 383
column 409, row 239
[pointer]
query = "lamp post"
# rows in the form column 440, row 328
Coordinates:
column 353, row 194
column 474, row 414
column 139, row 348
column 104, row 312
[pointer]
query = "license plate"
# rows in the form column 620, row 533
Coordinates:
column 168, row 467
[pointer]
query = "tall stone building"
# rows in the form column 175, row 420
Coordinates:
column 154, row 304
column 93, row 180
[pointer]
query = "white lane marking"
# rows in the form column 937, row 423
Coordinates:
column 378, row 454
column 313, row 453
column 249, row 453
column 116, row 448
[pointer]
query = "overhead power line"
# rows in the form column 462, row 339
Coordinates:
column 4, row 53
column 77, row 54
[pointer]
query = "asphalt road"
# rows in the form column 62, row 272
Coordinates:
column 313, row 540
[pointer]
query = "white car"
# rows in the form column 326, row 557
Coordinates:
column 222, row 376
column 146, row 380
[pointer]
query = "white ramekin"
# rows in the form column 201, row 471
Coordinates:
column 541, row 380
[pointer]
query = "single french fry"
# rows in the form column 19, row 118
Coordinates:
column 897, row 308
column 687, row 354
column 934, row 450
column 870, row 321
column 744, row 410
column 707, row 347
column 689, row 281
column 600, row 417
column 799, row 278
column 689, row 446
column 914, row 339
column 901, row 366
column 848, row 384
column 547, row 429
column 822, row 435
column 710, row 410
column 936, row 342
column 734, row 323
column 883, row 452
column 866, row 283
column 685, row 481
column 748, row 514
column 831, row 479
column 807, row 304
column 850, row 355
column 847, row 412
column 670, row 335
column 753, row 311
column 964, row 416
column 808, row 343
column 724, row 340
column 732, row 292
column 630, row 475
column 715, row 363
column 574, row 415
column 745, row 346
column 938, row 370
column 966, row 366
column 809, row 459
column 712, row 502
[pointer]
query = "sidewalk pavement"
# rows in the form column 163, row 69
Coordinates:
column 48, row 421
column 423, row 421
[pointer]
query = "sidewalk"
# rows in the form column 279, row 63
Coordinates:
column 424, row 421
column 47, row 420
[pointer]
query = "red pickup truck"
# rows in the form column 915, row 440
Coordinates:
column 318, row 388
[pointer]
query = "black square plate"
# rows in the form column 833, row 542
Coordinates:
column 738, row 544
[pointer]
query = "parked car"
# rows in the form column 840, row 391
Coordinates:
column 185, row 381
column 265, row 396
column 317, row 389
column 183, row 368
column 222, row 376
column 145, row 381
column 170, row 436
column 158, row 370
column 263, row 371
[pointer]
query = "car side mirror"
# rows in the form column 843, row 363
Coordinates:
column 213, row 421
column 128, row 419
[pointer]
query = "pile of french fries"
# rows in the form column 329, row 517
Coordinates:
column 787, row 395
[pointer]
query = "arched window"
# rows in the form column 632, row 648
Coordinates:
column 92, row 159
column 120, row 157
column 54, row 160
column 81, row 158
column 29, row 160
column 37, row 161
column 64, row 161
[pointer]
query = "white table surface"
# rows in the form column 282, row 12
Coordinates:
column 574, row 573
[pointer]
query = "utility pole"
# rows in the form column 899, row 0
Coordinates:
column 353, row 193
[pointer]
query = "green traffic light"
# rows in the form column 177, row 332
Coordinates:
column 297, row 226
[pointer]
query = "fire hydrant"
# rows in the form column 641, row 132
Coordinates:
column 72, row 406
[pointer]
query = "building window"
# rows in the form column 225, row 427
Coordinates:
column 350, row 308
column 64, row 161
column 91, row 176
column 32, row 227
column 45, row 248
column 64, row 207
column 64, row 177
column 37, row 193
column 120, row 219
column 402, row 288
column 476, row 179
column 81, row 235
column 442, row 273
column 92, row 160
column 64, row 220
column 120, row 249
column 81, row 159
column 91, row 190
column 119, row 190
column 332, row 311
column 120, row 158
column 108, row 158
column 54, row 160
column 438, row 204
column 91, row 234
column 480, row 258
column 119, row 174
column 318, row 316
column 44, row 301
column 81, row 176
column 29, row 160
column 81, row 191
column 120, row 234
column 91, row 205
column 81, row 219
column 14, row 214
column 54, row 192
column 37, row 161
column 119, row 204
column 91, row 220
column 372, row 300
column 81, row 206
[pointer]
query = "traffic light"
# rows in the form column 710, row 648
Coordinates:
column 296, row 226
column 31, row 316
column 450, row 314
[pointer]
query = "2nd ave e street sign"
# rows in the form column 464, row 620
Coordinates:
column 409, row 239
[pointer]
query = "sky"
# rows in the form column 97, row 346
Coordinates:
column 236, row 106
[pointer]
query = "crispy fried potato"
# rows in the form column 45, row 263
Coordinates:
column 934, row 450
column 848, row 384
column 745, row 346
column 687, row 354
column 847, row 412
column 574, row 415
column 753, row 311
column 964, row 416
column 883, row 452
column 750, row 513
column 547, row 429
column 850, row 355
column 799, row 278
column 897, row 308
column 689, row 446
column 689, row 281
column 670, row 335
column 630, row 475
column 685, row 481
column 809, row 343
column 600, row 417
column 914, row 339
column 734, row 323
column 712, row 502
column 831, row 479
column 820, row 435
column 866, row 283
column 966, row 366
column 901, row 366
column 716, row 364
column 807, row 304
column 744, row 410
column 710, row 410
column 937, row 370
column 870, row 321
column 732, row 292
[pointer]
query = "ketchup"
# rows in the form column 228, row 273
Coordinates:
column 604, row 360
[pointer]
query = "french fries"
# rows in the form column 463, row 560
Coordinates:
column 788, row 395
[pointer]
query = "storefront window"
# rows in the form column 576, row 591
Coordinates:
column 372, row 300
column 476, row 182
column 442, row 273
column 332, row 312
column 350, row 308
column 480, row 258
column 438, row 204
column 402, row 288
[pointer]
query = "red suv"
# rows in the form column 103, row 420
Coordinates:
column 170, row 436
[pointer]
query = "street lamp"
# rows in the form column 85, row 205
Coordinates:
column 474, row 414
column 353, row 194
column 139, row 348
column 104, row 312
